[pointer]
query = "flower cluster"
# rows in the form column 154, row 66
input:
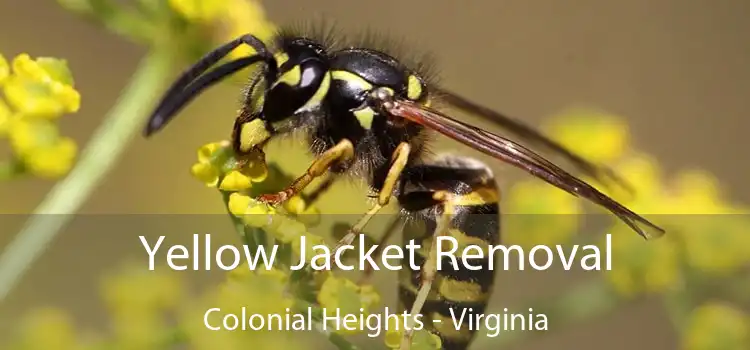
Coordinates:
column 216, row 166
column 716, row 325
column 232, row 17
column 37, row 92
column 707, row 238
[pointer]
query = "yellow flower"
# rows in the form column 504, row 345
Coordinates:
column 199, row 10
column 252, row 212
column 341, row 293
column 53, row 161
column 242, row 17
column 295, row 205
column 697, row 192
column 422, row 339
column 134, row 290
column 207, row 152
column 6, row 116
column 716, row 244
column 39, row 145
column 41, row 88
column 206, row 173
column 640, row 266
column 540, row 214
column 57, row 327
column 597, row 136
column 642, row 172
column 717, row 326
column 4, row 69
column 349, row 298
column 712, row 234
column 286, row 229
column 235, row 181
column 215, row 161
column 311, row 240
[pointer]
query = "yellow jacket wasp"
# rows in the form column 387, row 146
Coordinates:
column 367, row 114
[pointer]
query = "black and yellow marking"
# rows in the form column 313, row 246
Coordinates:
column 334, row 94
column 467, row 199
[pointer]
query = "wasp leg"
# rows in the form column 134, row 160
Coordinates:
column 429, row 268
column 341, row 152
column 398, row 163
column 315, row 194
column 367, row 274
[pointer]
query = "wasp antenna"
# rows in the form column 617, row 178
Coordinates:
column 191, row 83
column 169, row 107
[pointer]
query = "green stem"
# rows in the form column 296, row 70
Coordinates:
column 101, row 154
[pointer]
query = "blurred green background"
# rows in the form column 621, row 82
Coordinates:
column 675, row 70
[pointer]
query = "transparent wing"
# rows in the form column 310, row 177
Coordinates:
column 513, row 153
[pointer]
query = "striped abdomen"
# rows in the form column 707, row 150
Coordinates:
column 456, row 290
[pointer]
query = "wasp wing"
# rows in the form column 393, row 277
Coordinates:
column 517, row 155
column 529, row 134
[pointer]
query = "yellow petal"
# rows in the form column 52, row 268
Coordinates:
column 56, row 325
column 52, row 162
column 40, row 99
column 258, row 215
column 207, row 151
column 247, row 17
column 25, row 66
column 311, row 241
column 295, row 205
column 206, row 173
column 289, row 230
column 238, row 204
column 5, row 117
column 235, row 181
column 4, row 69
column 717, row 326
column 26, row 135
column 199, row 10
